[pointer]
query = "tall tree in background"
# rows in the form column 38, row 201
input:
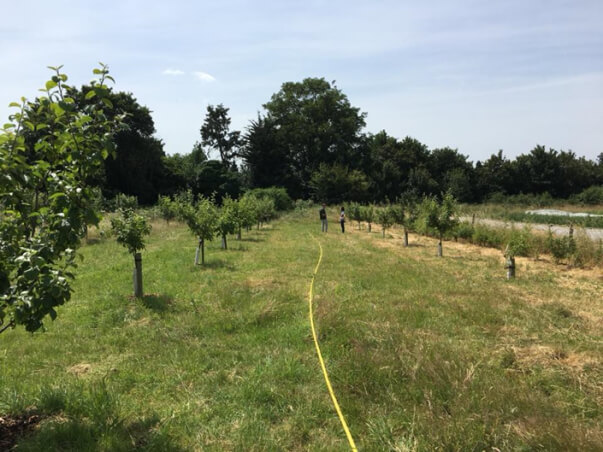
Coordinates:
column 398, row 166
column 216, row 134
column 137, row 168
column 266, row 160
column 314, row 123
column 184, row 169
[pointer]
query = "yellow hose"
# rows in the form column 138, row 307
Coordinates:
column 322, row 363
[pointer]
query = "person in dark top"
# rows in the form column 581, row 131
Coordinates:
column 342, row 219
column 324, row 225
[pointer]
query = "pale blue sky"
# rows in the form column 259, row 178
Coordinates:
column 474, row 75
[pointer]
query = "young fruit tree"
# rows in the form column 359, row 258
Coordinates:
column 385, row 218
column 368, row 215
column 439, row 216
column 248, row 207
column 201, row 219
column 167, row 208
column 130, row 230
column 48, row 150
column 266, row 210
column 355, row 213
column 406, row 214
column 235, row 211
column 226, row 224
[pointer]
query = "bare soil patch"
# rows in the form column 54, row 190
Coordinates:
column 14, row 427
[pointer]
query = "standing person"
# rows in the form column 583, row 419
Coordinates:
column 324, row 225
column 342, row 219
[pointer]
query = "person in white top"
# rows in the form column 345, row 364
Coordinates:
column 342, row 219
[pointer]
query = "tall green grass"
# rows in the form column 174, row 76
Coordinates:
column 424, row 353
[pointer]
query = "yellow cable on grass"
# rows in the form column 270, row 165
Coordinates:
column 322, row 363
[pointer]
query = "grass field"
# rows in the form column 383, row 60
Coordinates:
column 424, row 353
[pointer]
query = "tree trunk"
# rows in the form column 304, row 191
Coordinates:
column 440, row 247
column 383, row 232
column 510, row 266
column 239, row 234
column 199, row 249
column 202, row 251
column 224, row 244
column 137, row 275
column 405, row 238
column 369, row 227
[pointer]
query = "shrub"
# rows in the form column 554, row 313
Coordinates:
column 485, row 236
column 586, row 251
column 122, row 201
column 303, row 204
column 464, row 230
column 520, row 242
column 592, row 195
column 280, row 197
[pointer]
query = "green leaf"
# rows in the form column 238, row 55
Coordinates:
column 56, row 108
column 107, row 102
column 30, row 125
column 8, row 125
column 90, row 94
column 14, row 104
column 97, row 71
column 50, row 84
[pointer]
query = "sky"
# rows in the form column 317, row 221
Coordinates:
column 474, row 75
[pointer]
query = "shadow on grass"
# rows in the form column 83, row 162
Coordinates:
column 87, row 417
column 66, row 433
column 157, row 302
column 93, row 241
column 251, row 239
column 215, row 264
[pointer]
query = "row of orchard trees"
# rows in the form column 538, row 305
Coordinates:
column 431, row 215
column 207, row 220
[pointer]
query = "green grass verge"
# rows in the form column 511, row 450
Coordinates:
column 423, row 353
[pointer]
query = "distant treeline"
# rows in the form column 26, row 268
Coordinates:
column 310, row 140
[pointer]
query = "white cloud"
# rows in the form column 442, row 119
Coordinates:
column 205, row 77
column 173, row 72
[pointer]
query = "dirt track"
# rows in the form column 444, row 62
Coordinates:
column 593, row 234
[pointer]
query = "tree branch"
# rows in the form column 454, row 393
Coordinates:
column 9, row 325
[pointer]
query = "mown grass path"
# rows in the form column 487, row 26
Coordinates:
column 425, row 353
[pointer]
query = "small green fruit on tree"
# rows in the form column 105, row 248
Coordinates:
column 48, row 150
column 130, row 230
